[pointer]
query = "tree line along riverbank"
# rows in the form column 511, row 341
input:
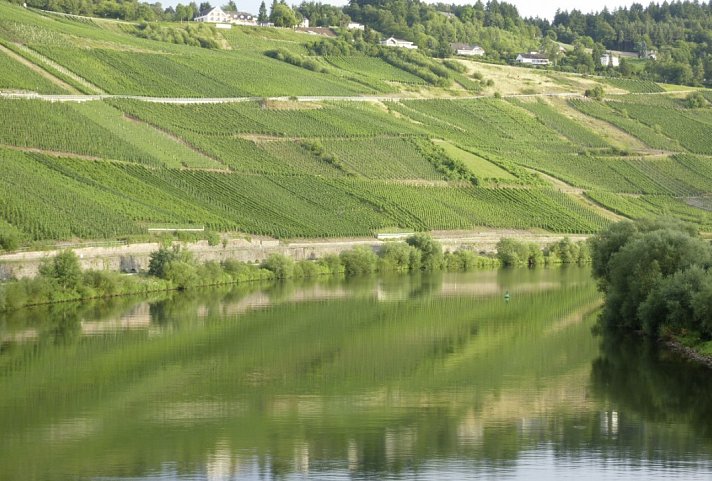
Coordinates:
column 62, row 279
column 656, row 279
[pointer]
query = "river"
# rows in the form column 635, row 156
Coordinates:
column 432, row 377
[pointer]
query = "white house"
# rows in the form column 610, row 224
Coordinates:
column 355, row 26
column 216, row 15
column 469, row 50
column 304, row 23
column 394, row 42
column 532, row 58
column 219, row 16
column 609, row 60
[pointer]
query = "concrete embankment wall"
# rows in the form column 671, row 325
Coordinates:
column 136, row 256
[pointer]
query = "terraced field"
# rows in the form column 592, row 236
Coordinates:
column 110, row 168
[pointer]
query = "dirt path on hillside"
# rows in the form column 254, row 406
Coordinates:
column 38, row 70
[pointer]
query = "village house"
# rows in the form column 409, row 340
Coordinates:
column 532, row 58
column 394, row 42
column 355, row 26
column 469, row 50
column 609, row 60
column 218, row 16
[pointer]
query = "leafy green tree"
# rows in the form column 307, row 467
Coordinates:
column 64, row 269
column 283, row 16
column 359, row 261
column 431, row 252
column 281, row 265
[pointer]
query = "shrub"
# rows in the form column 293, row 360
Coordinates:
column 359, row 261
column 399, row 257
column 595, row 93
column 282, row 266
column 431, row 251
column 695, row 100
column 63, row 269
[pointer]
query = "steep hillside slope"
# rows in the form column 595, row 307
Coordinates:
column 115, row 167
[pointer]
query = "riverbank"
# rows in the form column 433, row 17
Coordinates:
column 62, row 278
column 691, row 353
column 132, row 258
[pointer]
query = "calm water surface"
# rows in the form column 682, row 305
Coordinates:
column 409, row 377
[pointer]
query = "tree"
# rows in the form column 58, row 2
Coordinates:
column 595, row 93
column 205, row 7
column 431, row 252
column 230, row 7
column 64, row 269
column 262, row 15
column 283, row 16
column 695, row 100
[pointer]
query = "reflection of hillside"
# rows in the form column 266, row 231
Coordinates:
column 327, row 378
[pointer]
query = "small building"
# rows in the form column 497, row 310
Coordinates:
column 394, row 42
column 610, row 60
column 469, row 50
column 532, row 58
column 304, row 23
column 355, row 26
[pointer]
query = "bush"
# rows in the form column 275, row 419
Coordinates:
column 63, row 269
column 595, row 93
column 695, row 100
column 359, row 261
column 431, row 252
column 282, row 266
column 9, row 240
column 332, row 264
column 512, row 252
column 399, row 257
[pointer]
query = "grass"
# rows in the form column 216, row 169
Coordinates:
column 482, row 168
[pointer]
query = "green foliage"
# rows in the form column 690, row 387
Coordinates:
column 695, row 100
column 642, row 270
column 418, row 65
column 63, row 269
column 280, row 265
column 431, row 252
column 513, row 252
column 193, row 34
column 595, row 93
column 359, row 261
column 399, row 257
column 297, row 60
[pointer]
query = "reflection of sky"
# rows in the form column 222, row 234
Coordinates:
column 540, row 465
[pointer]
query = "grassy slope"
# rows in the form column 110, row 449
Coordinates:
column 322, row 169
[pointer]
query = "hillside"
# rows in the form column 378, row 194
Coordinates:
column 374, row 146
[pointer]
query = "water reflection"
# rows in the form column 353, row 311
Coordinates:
column 434, row 377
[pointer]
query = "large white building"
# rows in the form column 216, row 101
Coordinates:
column 394, row 42
column 532, row 58
column 218, row 15
column 469, row 50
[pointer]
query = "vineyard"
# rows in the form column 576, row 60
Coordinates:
column 327, row 169
column 635, row 86
column 108, row 169
column 15, row 76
